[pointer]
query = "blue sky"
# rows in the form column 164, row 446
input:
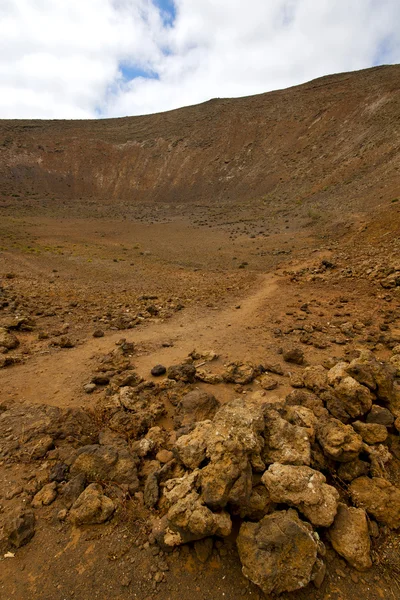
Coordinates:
column 91, row 58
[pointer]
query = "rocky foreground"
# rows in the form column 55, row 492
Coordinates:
column 290, row 478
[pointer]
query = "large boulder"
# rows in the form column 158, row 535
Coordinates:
column 371, row 433
column 304, row 489
column 195, row 406
column 92, row 507
column 191, row 448
column 279, row 553
column 379, row 498
column 284, row 442
column 355, row 398
column 349, row 536
column 106, row 463
column 338, row 441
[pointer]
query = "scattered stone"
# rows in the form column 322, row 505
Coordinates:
column 240, row 373
column 98, row 333
column 304, row 489
column 183, row 372
column 158, row 370
column 46, row 496
column 379, row 498
column 349, row 536
column 294, row 355
column 8, row 340
column 89, row 388
column 92, row 507
column 19, row 528
column 279, row 553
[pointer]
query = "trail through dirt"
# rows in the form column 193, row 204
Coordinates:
column 57, row 378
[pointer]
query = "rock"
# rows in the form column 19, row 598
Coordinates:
column 380, row 415
column 395, row 362
column 73, row 489
column 241, row 373
column 259, row 504
column 143, row 447
column 378, row 377
column 100, row 379
column 183, row 372
column 207, row 377
column 195, row 406
column 203, row 549
column 164, row 456
column 268, row 383
column 397, row 424
column 294, row 355
column 42, row 446
column 46, row 496
column 279, row 553
column 106, row 463
column 89, row 388
column 275, row 368
column 302, row 417
column 371, row 433
column 349, row 536
column 189, row 520
column 19, row 528
column 143, row 411
column 308, row 400
column 338, row 441
column 304, row 489
column 92, row 507
column 337, row 373
column 98, row 333
column 151, row 491
column 379, row 498
column 66, row 342
column 351, row 470
column 8, row 340
column 355, row 398
column 191, row 449
column 296, row 380
column 285, row 443
column 158, row 370
column 315, row 378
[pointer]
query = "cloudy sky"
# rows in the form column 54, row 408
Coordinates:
column 105, row 58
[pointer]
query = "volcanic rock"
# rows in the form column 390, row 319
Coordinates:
column 349, row 535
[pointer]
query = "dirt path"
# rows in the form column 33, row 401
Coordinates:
column 57, row 378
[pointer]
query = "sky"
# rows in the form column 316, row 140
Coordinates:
column 78, row 59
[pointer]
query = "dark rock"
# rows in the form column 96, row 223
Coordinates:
column 20, row 528
column 98, row 333
column 158, row 370
column 380, row 415
column 195, row 406
column 294, row 355
column 183, row 372
column 73, row 489
column 58, row 473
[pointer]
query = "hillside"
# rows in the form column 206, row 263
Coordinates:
column 332, row 143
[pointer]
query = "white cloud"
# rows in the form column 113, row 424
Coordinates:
column 63, row 59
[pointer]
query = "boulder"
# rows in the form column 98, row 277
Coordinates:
column 380, row 415
column 191, row 449
column 241, row 373
column 337, row 373
column 355, row 398
column 195, row 406
column 279, row 553
column 338, row 441
column 92, row 507
column 371, row 433
column 351, row 470
column 308, row 400
column 46, row 496
column 302, row 417
column 294, row 355
column 315, row 378
column 378, row 377
column 304, row 489
column 19, row 528
column 349, row 536
column 8, row 340
column 184, row 372
column 285, row 443
column 379, row 498
column 106, row 463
